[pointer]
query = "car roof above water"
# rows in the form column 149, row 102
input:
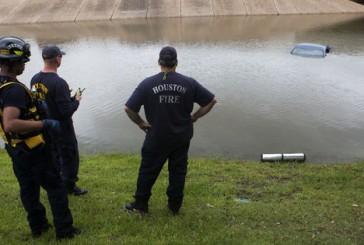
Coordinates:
column 310, row 50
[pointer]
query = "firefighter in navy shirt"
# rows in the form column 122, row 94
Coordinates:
column 24, row 130
column 168, row 98
column 48, row 86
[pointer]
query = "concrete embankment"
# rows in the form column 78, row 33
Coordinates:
column 45, row 11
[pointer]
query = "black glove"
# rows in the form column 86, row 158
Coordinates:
column 42, row 108
column 42, row 104
column 52, row 125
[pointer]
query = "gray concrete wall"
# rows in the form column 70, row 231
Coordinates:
column 40, row 11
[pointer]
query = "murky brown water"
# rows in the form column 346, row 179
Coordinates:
column 268, row 100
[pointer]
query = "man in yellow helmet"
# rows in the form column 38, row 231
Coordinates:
column 23, row 130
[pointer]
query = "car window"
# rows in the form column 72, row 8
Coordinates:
column 308, row 52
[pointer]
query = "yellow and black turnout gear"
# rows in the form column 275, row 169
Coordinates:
column 33, row 113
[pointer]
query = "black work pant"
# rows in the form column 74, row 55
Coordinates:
column 70, row 160
column 34, row 169
column 152, row 164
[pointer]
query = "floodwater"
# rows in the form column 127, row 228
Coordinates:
column 268, row 100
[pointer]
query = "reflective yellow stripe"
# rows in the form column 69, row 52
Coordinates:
column 30, row 142
column 34, row 141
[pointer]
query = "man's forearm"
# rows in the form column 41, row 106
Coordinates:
column 135, row 117
column 202, row 111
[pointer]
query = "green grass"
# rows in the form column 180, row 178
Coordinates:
column 290, row 203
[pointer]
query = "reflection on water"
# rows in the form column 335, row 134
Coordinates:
column 268, row 100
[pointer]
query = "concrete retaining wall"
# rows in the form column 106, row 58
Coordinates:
column 39, row 11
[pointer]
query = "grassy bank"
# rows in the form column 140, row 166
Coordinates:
column 226, row 202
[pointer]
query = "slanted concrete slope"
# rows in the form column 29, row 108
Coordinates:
column 27, row 11
column 286, row 7
column 259, row 7
column 196, row 8
column 39, row 11
column 164, row 8
column 7, row 7
column 97, row 10
column 231, row 7
column 63, row 10
column 128, row 9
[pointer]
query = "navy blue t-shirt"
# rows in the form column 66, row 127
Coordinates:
column 55, row 91
column 168, row 105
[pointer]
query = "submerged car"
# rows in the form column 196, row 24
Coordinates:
column 310, row 50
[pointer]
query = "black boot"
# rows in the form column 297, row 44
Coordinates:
column 38, row 233
column 69, row 235
column 77, row 191
column 136, row 206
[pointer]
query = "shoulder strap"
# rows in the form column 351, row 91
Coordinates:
column 20, row 84
column 31, row 139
